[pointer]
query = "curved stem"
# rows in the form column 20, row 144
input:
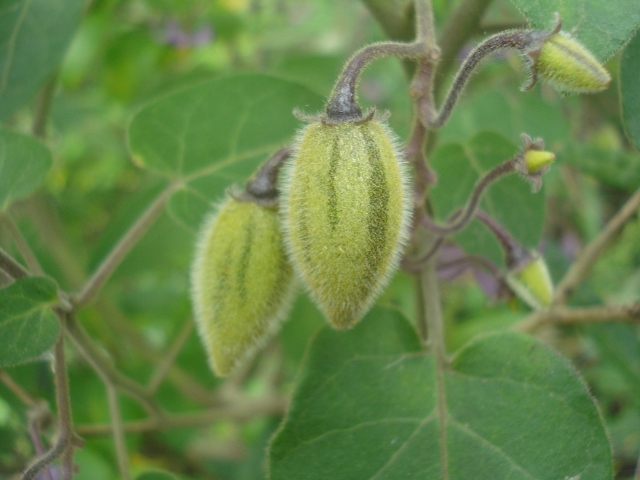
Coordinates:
column 515, row 39
column 343, row 105
column 470, row 208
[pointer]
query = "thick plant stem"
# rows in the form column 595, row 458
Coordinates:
column 433, row 322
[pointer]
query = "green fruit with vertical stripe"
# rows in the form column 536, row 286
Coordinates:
column 346, row 209
column 241, row 282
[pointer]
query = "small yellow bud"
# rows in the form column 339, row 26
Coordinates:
column 241, row 282
column 536, row 160
column 346, row 211
column 532, row 282
column 569, row 66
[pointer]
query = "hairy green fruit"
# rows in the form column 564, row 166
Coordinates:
column 346, row 213
column 241, row 282
column 532, row 282
column 569, row 66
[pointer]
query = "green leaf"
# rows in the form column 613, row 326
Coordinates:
column 509, row 200
column 24, row 162
column 34, row 35
column 508, row 113
column 602, row 26
column 27, row 326
column 367, row 407
column 216, row 133
column 630, row 89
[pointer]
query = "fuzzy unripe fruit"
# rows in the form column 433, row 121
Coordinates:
column 537, row 160
column 345, row 213
column 569, row 66
column 532, row 282
column 241, row 282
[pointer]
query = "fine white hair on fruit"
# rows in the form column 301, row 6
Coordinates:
column 241, row 282
column 346, row 210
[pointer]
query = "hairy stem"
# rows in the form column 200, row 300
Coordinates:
column 123, row 247
column 514, row 39
column 435, row 330
column 343, row 105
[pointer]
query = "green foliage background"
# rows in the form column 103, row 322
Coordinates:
column 149, row 93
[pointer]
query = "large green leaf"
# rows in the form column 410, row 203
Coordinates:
column 27, row 326
column 216, row 133
column 602, row 26
column 630, row 89
column 34, row 35
column 24, row 162
column 509, row 200
column 367, row 407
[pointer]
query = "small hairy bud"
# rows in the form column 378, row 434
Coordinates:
column 532, row 283
column 345, row 213
column 533, row 162
column 241, row 282
column 536, row 160
column 569, row 66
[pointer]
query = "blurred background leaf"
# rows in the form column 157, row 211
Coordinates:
column 34, row 35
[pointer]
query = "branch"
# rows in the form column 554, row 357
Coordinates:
column 574, row 316
column 583, row 263
column 236, row 410
column 122, row 248
column 67, row 438
column 23, row 247
column 462, row 218
column 180, row 378
column 118, row 432
column 19, row 392
column 105, row 369
column 11, row 267
column 39, row 127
